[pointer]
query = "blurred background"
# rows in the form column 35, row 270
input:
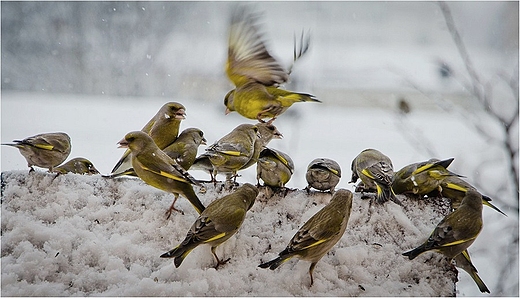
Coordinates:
column 402, row 65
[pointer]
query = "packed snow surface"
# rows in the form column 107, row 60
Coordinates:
column 87, row 235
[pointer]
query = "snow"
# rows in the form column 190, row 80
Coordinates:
column 87, row 235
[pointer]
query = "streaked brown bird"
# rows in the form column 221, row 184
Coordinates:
column 45, row 150
column 78, row 165
column 319, row 234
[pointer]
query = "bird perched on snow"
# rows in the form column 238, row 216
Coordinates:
column 376, row 173
column 421, row 178
column 463, row 261
column 233, row 151
column 157, row 169
column 323, row 174
column 163, row 128
column 319, row 234
column 184, row 148
column 78, row 165
column 216, row 224
column 266, row 132
column 455, row 232
column 455, row 189
column 255, row 73
column 274, row 167
column 45, row 150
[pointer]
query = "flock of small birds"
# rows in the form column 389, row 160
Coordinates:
column 161, row 157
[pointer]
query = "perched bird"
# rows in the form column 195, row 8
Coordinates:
column 163, row 128
column 184, row 148
column 421, row 178
column 455, row 189
column 376, row 173
column 274, row 167
column 319, row 234
column 463, row 261
column 45, row 150
column 78, row 165
column 233, row 151
column 216, row 224
column 266, row 132
column 457, row 231
column 323, row 174
column 157, row 169
column 255, row 73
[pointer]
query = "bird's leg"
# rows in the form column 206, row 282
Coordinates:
column 271, row 121
column 172, row 208
column 219, row 262
column 311, row 269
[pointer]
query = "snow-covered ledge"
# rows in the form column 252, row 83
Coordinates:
column 87, row 235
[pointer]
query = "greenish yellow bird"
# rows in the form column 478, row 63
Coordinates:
column 376, row 173
column 255, row 73
column 323, row 174
column 163, row 128
column 78, row 165
column 455, row 189
column 216, row 224
column 157, row 169
column 45, row 150
column 274, row 167
column 233, row 151
column 455, row 232
column 319, row 234
column 184, row 149
column 421, row 178
column 463, row 261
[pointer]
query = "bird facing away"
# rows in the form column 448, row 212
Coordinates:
column 319, row 234
column 323, row 174
column 255, row 72
column 455, row 232
column 78, row 165
column 216, row 224
column 157, row 169
column 45, row 150
column 376, row 173
column 274, row 167
column 421, row 178
column 184, row 149
column 163, row 128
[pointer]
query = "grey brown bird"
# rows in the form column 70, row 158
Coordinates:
column 216, row 224
column 455, row 232
column 46, row 150
column 323, row 174
column 319, row 234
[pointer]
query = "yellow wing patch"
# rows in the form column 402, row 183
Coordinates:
column 216, row 237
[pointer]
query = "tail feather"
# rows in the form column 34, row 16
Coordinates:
column 480, row 283
column 179, row 253
column 486, row 201
column 273, row 264
column 412, row 254
column 386, row 193
column 189, row 193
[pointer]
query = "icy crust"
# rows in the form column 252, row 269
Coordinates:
column 87, row 235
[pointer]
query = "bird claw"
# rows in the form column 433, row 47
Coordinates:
column 169, row 212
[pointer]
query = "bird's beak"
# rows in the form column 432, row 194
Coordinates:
column 204, row 141
column 278, row 135
column 227, row 111
column 181, row 114
column 122, row 144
